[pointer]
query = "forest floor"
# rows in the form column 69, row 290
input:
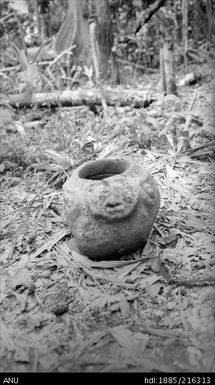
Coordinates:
column 61, row 314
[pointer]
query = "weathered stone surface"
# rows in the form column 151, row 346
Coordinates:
column 110, row 206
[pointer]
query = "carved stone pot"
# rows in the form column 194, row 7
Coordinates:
column 110, row 206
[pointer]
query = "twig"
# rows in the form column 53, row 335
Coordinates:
column 189, row 119
column 12, row 68
column 189, row 116
column 6, row 17
column 137, row 65
column 151, row 11
column 207, row 281
column 201, row 147
column 50, row 243
column 193, row 101
column 182, row 312
column 87, row 271
column 67, row 51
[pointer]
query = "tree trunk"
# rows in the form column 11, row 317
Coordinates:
column 185, row 32
column 178, row 22
column 168, row 83
column 75, row 31
column 104, row 34
column 209, row 12
column 169, row 67
column 162, row 73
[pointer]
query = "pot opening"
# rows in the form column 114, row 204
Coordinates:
column 102, row 169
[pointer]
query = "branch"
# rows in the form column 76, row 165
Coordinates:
column 149, row 13
column 79, row 97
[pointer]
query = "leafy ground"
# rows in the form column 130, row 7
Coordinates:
column 62, row 312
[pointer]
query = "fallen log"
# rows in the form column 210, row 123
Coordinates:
column 113, row 97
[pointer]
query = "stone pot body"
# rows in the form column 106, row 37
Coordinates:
column 110, row 206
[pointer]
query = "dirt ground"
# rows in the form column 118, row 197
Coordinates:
column 60, row 312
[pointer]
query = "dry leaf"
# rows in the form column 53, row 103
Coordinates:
column 50, row 243
column 4, row 148
column 2, row 167
column 21, row 280
column 156, row 264
column 125, row 339
column 124, row 271
column 124, row 307
column 21, row 356
column 154, row 289
column 20, row 129
column 5, row 116
column 81, row 259
column 154, row 122
column 171, row 173
column 5, row 337
column 20, row 6
column 146, row 282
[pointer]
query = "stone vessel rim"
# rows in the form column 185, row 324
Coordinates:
column 103, row 168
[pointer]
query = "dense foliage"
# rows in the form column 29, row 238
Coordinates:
column 140, row 47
